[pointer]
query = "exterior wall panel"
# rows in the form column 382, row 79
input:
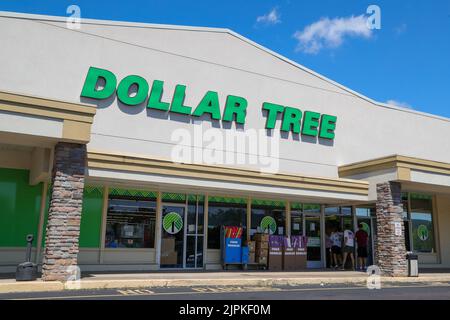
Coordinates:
column 19, row 207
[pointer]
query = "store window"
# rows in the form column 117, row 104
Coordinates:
column 422, row 223
column 130, row 222
column 225, row 212
column 268, row 215
column 296, row 219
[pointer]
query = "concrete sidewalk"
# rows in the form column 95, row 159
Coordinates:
column 230, row 278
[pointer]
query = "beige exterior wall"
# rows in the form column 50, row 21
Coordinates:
column 443, row 225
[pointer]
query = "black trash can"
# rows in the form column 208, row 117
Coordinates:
column 413, row 264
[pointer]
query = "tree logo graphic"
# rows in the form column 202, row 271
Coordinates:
column 268, row 223
column 172, row 223
column 422, row 232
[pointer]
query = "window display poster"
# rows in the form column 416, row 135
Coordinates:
column 313, row 242
column 128, row 230
column 280, row 230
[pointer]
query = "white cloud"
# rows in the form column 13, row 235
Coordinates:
column 273, row 17
column 330, row 33
column 399, row 104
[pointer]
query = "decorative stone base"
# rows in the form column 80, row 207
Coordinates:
column 390, row 250
column 63, row 226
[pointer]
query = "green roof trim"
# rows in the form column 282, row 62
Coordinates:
column 296, row 205
column 132, row 193
column 311, row 207
column 93, row 190
column 228, row 200
column 173, row 197
column 193, row 198
column 268, row 203
column 420, row 196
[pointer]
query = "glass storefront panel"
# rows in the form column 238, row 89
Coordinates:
column 199, row 252
column 406, row 220
column 190, row 251
column 172, row 236
column 312, row 230
column 331, row 211
column 225, row 212
column 311, row 208
column 422, row 223
column 191, row 219
column 130, row 222
column 296, row 219
column 268, row 215
column 363, row 212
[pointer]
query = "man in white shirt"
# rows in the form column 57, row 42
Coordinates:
column 336, row 244
column 349, row 245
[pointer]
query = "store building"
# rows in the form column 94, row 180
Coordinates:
column 90, row 119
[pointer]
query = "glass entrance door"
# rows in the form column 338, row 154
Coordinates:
column 194, row 233
column 172, row 236
column 313, row 248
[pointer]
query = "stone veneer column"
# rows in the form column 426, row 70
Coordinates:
column 390, row 250
column 63, row 225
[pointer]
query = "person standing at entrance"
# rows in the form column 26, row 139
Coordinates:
column 349, row 245
column 362, row 240
column 336, row 244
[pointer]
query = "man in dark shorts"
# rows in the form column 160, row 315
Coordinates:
column 362, row 239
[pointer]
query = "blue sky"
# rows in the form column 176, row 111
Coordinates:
column 406, row 61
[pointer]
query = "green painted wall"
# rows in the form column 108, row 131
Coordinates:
column 19, row 207
column 91, row 217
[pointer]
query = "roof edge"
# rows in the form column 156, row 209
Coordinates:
column 28, row 16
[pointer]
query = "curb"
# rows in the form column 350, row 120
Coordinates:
column 42, row 286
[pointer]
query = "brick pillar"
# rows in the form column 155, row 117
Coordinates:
column 390, row 254
column 63, row 225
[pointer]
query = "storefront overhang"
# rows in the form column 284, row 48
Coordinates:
column 43, row 120
column 31, row 126
column 164, row 174
column 414, row 174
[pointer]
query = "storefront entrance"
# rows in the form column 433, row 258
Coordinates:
column 172, row 236
column 305, row 221
column 313, row 249
column 182, row 234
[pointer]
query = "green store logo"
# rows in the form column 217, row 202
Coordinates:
column 172, row 223
column 422, row 232
column 268, row 223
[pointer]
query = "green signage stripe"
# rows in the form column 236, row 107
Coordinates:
column 132, row 193
column 296, row 205
column 93, row 190
column 268, row 203
column 419, row 196
column 227, row 200
column 311, row 207
column 173, row 197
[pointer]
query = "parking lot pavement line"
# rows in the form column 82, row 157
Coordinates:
column 219, row 292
